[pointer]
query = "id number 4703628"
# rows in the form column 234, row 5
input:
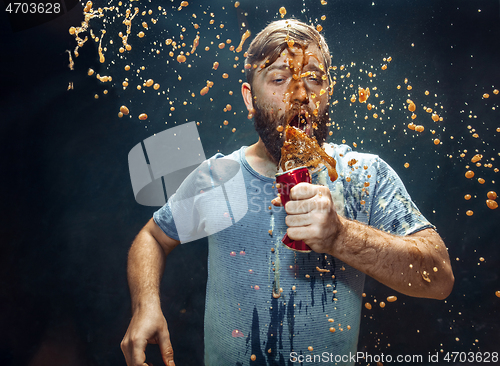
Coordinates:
column 476, row 357
column 33, row 8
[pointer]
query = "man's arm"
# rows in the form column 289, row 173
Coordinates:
column 415, row 265
column 146, row 263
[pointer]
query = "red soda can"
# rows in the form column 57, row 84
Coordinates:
column 285, row 182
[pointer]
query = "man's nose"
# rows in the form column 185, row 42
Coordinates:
column 299, row 93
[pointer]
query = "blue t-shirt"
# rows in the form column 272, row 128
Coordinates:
column 317, row 315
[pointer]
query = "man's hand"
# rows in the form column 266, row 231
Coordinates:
column 312, row 217
column 147, row 326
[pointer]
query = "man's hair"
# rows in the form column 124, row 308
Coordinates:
column 274, row 39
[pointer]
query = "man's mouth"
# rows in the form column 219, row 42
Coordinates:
column 300, row 121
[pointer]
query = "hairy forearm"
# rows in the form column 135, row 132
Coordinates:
column 416, row 265
column 146, row 263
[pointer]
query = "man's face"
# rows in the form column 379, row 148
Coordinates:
column 291, row 91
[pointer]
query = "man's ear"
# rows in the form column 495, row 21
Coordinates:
column 246, row 92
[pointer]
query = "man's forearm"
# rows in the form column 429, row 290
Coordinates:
column 146, row 263
column 416, row 265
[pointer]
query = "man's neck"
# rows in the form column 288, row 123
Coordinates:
column 260, row 160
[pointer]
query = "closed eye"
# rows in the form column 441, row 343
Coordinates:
column 314, row 78
column 278, row 78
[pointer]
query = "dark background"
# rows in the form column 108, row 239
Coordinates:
column 68, row 212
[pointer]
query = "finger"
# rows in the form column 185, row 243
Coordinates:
column 166, row 349
column 133, row 350
column 300, row 207
column 138, row 352
column 276, row 201
column 298, row 220
column 297, row 233
column 303, row 191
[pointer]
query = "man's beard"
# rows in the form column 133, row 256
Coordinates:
column 266, row 123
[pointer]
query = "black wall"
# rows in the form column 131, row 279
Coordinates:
column 68, row 213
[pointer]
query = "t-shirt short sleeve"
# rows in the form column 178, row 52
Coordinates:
column 206, row 202
column 392, row 209
column 165, row 220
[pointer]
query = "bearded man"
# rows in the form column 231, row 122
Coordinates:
column 267, row 304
